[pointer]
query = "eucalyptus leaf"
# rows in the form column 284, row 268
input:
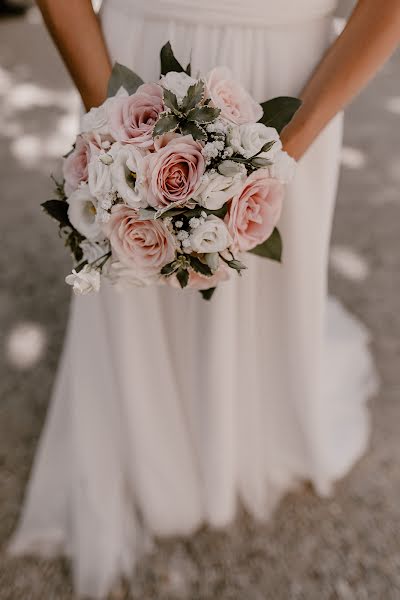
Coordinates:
column 259, row 162
column 203, row 114
column 279, row 111
column 236, row 264
column 121, row 76
column 200, row 267
column 182, row 276
column 194, row 96
column 271, row 248
column 169, row 62
column 147, row 214
column 207, row 294
column 172, row 212
column 194, row 130
column 165, row 124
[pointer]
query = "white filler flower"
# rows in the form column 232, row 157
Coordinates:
column 85, row 281
column 82, row 213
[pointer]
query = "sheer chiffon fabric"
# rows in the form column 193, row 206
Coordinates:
column 168, row 410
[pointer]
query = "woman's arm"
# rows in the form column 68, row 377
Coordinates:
column 76, row 31
column 370, row 37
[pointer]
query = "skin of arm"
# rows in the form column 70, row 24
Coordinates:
column 369, row 38
column 76, row 31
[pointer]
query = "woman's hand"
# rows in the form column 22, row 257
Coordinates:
column 76, row 31
column 370, row 37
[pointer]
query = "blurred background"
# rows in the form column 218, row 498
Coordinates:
column 346, row 547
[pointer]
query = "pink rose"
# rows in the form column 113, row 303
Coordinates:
column 146, row 246
column 132, row 118
column 173, row 173
column 235, row 102
column 254, row 212
column 75, row 166
column 202, row 282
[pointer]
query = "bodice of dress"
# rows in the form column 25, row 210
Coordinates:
column 253, row 13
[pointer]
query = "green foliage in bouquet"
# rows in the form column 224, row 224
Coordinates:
column 191, row 115
column 57, row 209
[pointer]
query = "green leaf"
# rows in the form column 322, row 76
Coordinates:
column 278, row 112
column 218, row 212
column 147, row 214
column 259, row 162
column 271, row 248
column 198, row 266
column 165, row 124
column 194, row 96
column 236, row 264
column 194, row 130
column 203, row 114
column 182, row 276
column 121, row 76
column 207, row 294
column 171, row 101
column 172, row 212
column 60, row 185
column 58, row 209
column 168, row 60
column 169, row 269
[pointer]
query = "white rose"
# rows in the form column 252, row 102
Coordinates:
column 85, row 281
column 178, row 83
column 211, row 236
column 99, row 176
column 283, row 167
column 125, row 172
column 82, row 213
column 248, row 140
column 96, row 120
column 216, row 189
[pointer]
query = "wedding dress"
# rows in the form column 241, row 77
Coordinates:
column 168, row 410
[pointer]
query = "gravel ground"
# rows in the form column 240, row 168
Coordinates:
column 346, row 547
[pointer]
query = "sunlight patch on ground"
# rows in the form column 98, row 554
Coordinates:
column 25, row 345
column 352, row 158
column 43, row 143
column 348, row 263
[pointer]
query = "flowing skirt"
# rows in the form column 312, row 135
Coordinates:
column 168, row 410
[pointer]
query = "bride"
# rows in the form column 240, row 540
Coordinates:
column 167, row 410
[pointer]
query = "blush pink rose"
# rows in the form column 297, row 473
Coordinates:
column 132, row 118
column 173, row 173
column 75, row 166
column 231, row 98
column 146, row 246
column 202, row 282
column 254, row 212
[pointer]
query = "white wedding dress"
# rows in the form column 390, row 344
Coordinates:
column 168, row 410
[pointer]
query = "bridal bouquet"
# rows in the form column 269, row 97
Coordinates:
column 170, row 182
